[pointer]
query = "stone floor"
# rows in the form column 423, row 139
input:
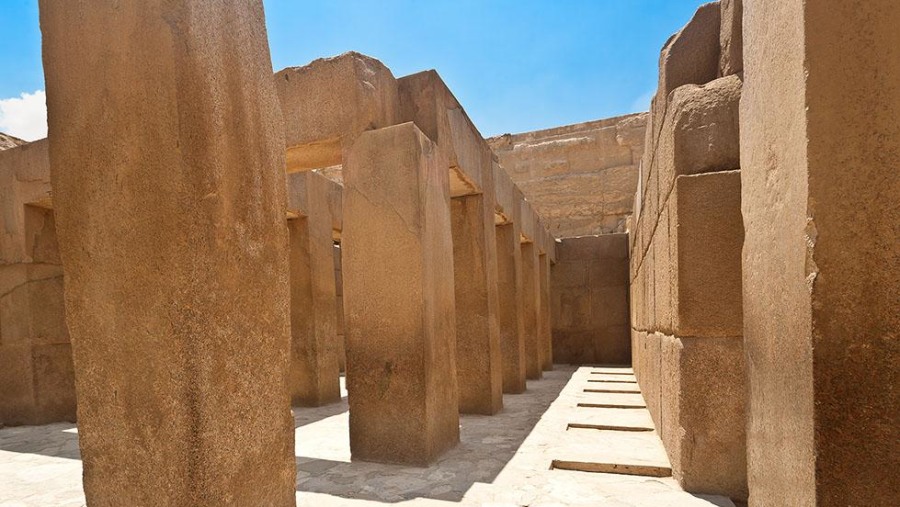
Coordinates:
column 504, row 460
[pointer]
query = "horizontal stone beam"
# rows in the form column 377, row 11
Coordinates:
column 426, row 100
column 330, row 102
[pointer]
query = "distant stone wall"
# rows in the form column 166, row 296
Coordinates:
column 589, row 301
column 580, row 178
column 37, row 381
column 7, row 141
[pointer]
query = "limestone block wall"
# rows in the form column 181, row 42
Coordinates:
column 581, row 178
column 685, row 268
column 37, row 383
column 589, row 301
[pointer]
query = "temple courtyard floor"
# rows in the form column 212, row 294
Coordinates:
column 531, row 454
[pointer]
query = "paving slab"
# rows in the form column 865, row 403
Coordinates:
column 503, row 460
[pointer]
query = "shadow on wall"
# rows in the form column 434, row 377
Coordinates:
column 487, row 444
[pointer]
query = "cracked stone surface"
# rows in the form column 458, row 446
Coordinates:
column 502, row 460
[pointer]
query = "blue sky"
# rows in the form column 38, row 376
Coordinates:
column 515, row 65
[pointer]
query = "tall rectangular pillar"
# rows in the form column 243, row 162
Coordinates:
column 478, row 356
column 820, row 148
column 167, row 156
column 339, row 291
column 315, row 366
column 531, row 310
column 399, row 305
column 512, row 328
column 544, row 287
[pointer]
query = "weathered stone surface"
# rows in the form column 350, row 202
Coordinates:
column 689, row 57
column 703, row 413
column 328, row 103
column 580, row 178
column 315, row 366
column 170, row 212
column 692, row 55
column 399, row 299
column 590, row 301
column 731, row 43
column 531, row 310
column 478, row 354
column 512, row 331
column 546, row 317
column 707, row 237
column 35, row 354
column 339, row 293
column 7, row 141
column 820, row 150
column 701, row 133
column 426, row 100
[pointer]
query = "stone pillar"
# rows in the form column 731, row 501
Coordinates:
column 512, row 332
column 315, row 368
column 531, row 309
column 399, row 299
column 820, row 148
column 478, row 356
column 339, row 292
column 544, row 287
column 167, row 157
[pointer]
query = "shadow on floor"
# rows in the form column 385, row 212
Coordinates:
column 59, row 440
column 310, row 415
column 487, row 444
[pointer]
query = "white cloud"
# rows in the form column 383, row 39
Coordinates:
column 25, row 116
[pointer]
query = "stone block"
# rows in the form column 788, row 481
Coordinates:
column 510, row 289
column 702, row 132
column 731, row 59
column 512, row 332
column 608, row 272
column 24, row 179
column 590, row 294
column 315, row 364
column 580, row 178
column 612, row 345
column 546, row 329
column 609, row 306
column 570, row 273
column 54, row 378
column 691, row 56
column 170, row 212
column 427, row 101
column 708, row 234
column 505, row 195
column 329, row 102
column 662, row 273
column 531, row 310
column 478, row 353
column 819, row 150
column 703, row 414
column 399, row 299
column 18, row 404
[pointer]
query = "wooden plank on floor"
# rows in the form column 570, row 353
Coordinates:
column 608, row 405
column 607, row 427
column 612, row 468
